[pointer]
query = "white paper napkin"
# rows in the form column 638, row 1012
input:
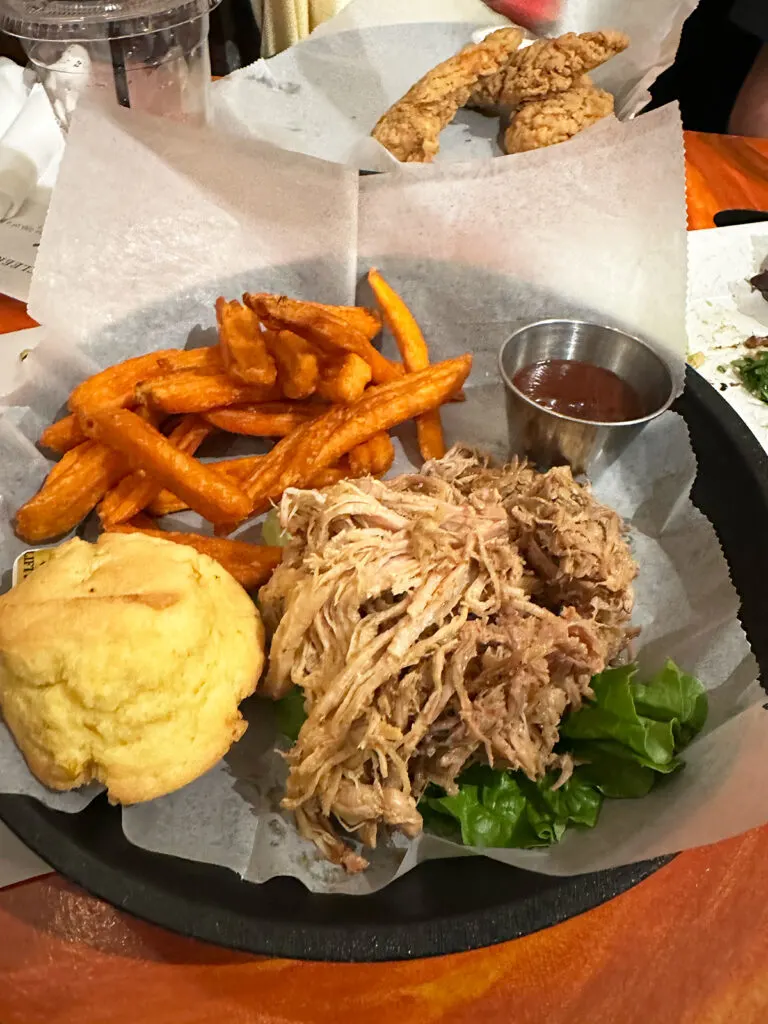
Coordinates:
column 31, row 145
column 30, row 138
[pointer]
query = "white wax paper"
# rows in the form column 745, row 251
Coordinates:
column 151, row 221
column 601, row 235
column 323, row 96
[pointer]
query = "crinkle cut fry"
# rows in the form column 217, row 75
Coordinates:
column 296, row 459
column 213, row 495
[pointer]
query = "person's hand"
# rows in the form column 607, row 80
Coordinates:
column 529, row 13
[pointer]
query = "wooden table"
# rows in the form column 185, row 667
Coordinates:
column 687, row 946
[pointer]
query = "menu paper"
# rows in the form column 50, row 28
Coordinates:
column 151, row 221
column 19, row 241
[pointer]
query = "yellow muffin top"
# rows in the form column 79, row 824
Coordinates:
column 124, row 661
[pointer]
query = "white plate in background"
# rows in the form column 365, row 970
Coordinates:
column 723, row 311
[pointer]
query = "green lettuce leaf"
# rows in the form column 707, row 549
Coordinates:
column 271, row 532
column 613, row 716
column 673, row 696
column 290, row 713
column 616, row 771
column 497, row 808
column 623, row 741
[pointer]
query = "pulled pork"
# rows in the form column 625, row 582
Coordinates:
column 432, row 621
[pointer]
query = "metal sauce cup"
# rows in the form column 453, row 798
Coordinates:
column 549, row 438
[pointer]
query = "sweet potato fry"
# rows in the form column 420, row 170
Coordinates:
column 115, row 387
column 332, row 475
column 140, row 522
column 300, row 456
column 211, row 494
column 63, row 435
column 250, row 564
column 366, row 321
column 207, row 359
column 328, row 331
column 400, row 320
column 196, row 392
column 413, row 349
column 267, row 419
column 373, row 457
column 239, row 469
column 297, row 364
column 79, row 481
column 165, row 504
column 134, row 492
column 65, row 463
column 245, row 355
column 236, row 469
column 344, row 379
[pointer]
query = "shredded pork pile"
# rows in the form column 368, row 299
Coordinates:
column 433, row 621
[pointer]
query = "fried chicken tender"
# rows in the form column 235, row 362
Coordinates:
column 546, row 67
column 411, row 128
column 556, row 118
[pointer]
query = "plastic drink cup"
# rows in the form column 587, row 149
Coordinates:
column 142, row 54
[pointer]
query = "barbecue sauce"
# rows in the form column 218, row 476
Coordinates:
column 579, row 390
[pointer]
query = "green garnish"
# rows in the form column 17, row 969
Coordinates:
column 752, row 371
column 627, row 738
column 290, row 713
column 272, row 532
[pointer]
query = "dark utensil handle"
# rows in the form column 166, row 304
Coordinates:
column 729, row 218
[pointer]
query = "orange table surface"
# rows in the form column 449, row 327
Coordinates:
column 687, row 946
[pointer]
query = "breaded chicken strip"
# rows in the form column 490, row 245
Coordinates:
column 556, row 118
column 411, row 128
column 547, row 66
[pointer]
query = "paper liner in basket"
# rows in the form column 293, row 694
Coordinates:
column 323, row 96
column 151, row 221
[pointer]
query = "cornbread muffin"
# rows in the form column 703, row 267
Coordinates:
column 124, row 661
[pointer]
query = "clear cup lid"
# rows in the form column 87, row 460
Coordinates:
column 84, row 20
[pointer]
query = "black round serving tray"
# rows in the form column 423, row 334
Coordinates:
column 441, row 906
